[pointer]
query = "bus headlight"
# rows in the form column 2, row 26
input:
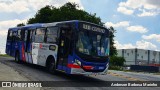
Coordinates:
column 78, row 62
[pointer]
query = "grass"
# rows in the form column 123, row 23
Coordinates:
column 118, row 68
column 4, row 55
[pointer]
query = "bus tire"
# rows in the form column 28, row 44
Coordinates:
column 51, row 66
column 17, row 57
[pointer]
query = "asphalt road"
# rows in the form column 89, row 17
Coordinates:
column 37, row 73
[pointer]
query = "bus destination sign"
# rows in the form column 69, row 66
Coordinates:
column 93, row 28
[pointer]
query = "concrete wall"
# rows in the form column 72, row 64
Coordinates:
column 139, row 56
column 154, row 57
column 142, row 56
column 129, row 55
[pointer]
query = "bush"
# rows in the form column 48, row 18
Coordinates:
column 117, row 61
column 115, row 67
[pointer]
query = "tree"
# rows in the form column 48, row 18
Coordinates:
column 21, row 24
column 69, row 11
column 117, row 61
column 66, row 12
column 113, row 50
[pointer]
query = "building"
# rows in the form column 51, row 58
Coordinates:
column 139, row 56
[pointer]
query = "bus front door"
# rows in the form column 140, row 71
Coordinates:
column 64, row 48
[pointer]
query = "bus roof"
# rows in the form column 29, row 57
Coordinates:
column 29, row 26
column 76, row 21
column 14, row 28
column 32, row 26
column 38, row 25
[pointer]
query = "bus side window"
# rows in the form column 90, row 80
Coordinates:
column 14, row 35
column 9, row 37
column 25, row 35
column 22, row 35
column 18, row 35
column 33, row 35
column 52, row 34
column 40, row 33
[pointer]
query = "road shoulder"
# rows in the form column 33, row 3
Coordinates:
column 9, row 74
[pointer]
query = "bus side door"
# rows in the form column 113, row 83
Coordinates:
column 64, row 48
column 28, row 46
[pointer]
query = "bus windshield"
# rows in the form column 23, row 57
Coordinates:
column 92, row 43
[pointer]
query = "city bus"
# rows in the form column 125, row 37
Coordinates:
column 72, row 47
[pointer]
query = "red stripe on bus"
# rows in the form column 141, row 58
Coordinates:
column 88, row 67
column 73, row 66
column 23, row 53
column 77, row 66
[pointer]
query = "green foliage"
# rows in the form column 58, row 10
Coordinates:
column 66, row 12
column 113, row 50
column 117, row 61
column 115, row 68
column 4, row 55
column 21, row 24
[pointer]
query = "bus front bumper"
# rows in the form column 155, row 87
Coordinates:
column 80, row 71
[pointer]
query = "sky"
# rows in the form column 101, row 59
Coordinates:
column 137, row 22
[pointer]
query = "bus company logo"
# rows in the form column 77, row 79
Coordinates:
column 6, row 84
column 44, row 47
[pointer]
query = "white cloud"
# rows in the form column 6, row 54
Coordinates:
column 152, row 7
column 127, row 26
column 145, row 13
column 137, row 28
column 17, row 6
column 10, row 23
column 152, row 4
column 124, row 10
column 119, row 24
column 145, row 45
column 139, row 44
column 152, row 37
column 123, row 46
column 20, row 6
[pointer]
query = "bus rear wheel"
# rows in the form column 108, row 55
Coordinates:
column 17, row 57
column 51, row 67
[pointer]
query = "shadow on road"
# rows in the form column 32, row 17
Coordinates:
column 80, row 78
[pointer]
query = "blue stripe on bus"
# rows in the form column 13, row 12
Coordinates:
column 59, row 67
column 70, row 59
column 64, row 68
